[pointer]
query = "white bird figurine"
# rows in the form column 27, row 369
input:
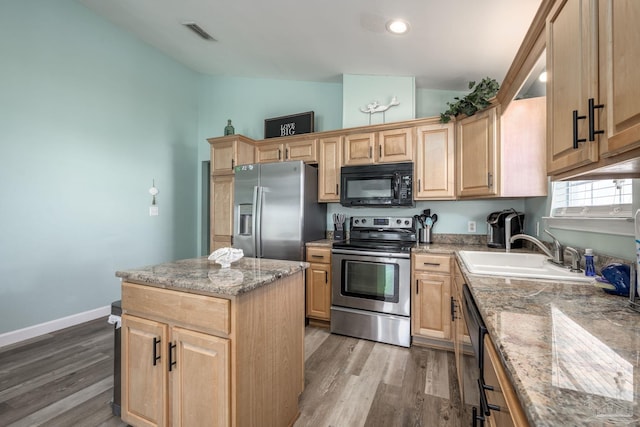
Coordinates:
column 375, row 107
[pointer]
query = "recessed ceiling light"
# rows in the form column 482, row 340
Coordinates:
column 397, row 26
column 543, row 76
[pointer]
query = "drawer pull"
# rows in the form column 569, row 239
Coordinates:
column 434, row 264
column 156, row 356
column 172, row 359
column 317, row 256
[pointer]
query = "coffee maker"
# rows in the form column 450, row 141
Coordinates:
column 497, row 223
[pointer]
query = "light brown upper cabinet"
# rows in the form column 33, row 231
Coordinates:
column 388, row 146
column 593, row 110
column 228, row 152
column 434, row 162
column 477, row 153
column 329, row 169
column 293, row 149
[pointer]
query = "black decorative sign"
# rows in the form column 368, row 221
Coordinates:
column 289, row 125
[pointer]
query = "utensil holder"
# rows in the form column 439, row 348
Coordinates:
column 338, row 234
column 425, row 235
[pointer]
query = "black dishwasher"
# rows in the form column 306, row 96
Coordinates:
column 116, row 310
column 477, row 331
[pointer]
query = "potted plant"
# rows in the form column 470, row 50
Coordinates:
column 477, row 99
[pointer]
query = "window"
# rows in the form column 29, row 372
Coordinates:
column 607, row 198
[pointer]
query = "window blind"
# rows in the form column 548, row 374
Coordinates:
column 607, row 198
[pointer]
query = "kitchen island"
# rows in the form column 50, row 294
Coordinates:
column 203, row 345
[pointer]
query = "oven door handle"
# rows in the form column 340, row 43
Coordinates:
column 370, row 253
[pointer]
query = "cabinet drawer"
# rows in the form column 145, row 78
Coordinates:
column 436, row 263
column 319, row 255
column 202, row 313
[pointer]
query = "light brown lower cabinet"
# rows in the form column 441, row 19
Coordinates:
column 500, row 393
column 198, row 386
column 431, row 302
column 319, row 284
column 199, row 360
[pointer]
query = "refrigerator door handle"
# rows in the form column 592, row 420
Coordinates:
column 257, row 233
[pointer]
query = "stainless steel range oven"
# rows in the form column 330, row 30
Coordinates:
column 371, row 273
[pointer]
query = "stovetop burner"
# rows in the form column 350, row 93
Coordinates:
column 380, row 234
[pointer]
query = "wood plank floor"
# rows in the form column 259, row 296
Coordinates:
column 65, row 379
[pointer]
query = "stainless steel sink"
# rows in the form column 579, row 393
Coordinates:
column 516, row 264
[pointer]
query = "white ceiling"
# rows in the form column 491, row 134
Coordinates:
column 449, row 44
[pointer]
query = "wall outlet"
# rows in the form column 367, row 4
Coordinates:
column 471, row 226
column 537, row 228
column 153, row 211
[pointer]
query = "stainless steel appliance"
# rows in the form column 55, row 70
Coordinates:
column 502, row 223
column 383, row 185
column 276, row 210
column 371, row 273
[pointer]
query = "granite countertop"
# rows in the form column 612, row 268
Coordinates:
column 199, row 275
column 572, row 351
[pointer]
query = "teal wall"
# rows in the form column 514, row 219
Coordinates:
column 88, row 117
column 432, row 102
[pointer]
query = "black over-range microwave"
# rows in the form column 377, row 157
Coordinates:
column 384, row 185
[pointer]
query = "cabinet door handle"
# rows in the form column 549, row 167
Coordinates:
column 592, row 120
column 380, row 146
column 156, row 356
column 489, row 179
column 172, row 359
column 417, row 287
column 279, row 154
column 326, row 277
column 419, row 185
column 337, row 192
column 233, row 163
column 453, row 310
column 576, row 141
column 286, row 153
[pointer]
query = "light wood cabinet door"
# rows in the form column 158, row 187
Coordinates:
column 619, row 41
column 305, row 150
column 318, row 285
column 431, row 315
column 434, row 164
column 478, row 154
column 395, row 145
column 269, row 153
column 229, row 152
column 359, row 149
column 572, row 58
column 144, row 375
column 500, row 392
column 319, row 291
column 329, row 166
column 199, row 381
column 221, row 211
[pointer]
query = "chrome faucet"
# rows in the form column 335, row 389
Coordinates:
column 532, row 239
column 575, row 259
column 507, row 231
column 558, row 251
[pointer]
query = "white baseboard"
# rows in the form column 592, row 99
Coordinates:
column 13, row 337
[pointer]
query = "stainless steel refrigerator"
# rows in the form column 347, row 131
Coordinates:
column 276, row 210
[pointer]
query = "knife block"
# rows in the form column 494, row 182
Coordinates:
column 337, row 234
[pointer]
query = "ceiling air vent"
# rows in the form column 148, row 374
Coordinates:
column 198, row 30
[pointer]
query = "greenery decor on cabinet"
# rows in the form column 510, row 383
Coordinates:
column 477, row 99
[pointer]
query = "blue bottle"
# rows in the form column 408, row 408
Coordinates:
column 589, row 267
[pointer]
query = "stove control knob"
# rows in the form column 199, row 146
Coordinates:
column 356, row 221
column 398, row 221
column 406, row 222
column 364, row 220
